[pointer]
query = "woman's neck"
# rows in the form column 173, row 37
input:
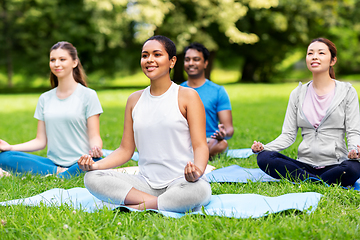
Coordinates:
column 323, row 83
column 66, row 86
column 160, row 86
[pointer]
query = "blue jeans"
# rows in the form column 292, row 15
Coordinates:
column 280, row 166
column 21, row 162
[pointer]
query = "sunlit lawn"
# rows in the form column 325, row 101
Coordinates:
column 258, row 112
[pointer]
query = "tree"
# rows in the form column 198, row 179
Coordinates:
column 206, row 21
column 282, row 29
column 32, row 27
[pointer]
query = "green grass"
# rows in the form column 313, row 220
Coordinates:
column 258, row 112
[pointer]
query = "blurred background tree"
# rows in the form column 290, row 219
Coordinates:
column 263, row 39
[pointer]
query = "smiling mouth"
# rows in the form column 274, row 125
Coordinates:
column 151, row 67
column 192, row 69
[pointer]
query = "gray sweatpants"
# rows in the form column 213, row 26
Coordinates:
column 179, row 196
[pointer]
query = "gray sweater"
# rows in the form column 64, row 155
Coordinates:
column 325, row 145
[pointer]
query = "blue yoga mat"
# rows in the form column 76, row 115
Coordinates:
column 233, row 153
column 357, row 185
column 236, row 173
column 225, row 205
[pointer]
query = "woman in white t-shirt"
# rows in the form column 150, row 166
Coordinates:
column 166, row 123
column 68, row 121
column 326, row 110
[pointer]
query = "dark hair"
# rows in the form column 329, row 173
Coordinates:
column 169, row 45
column 199, row 47
column 78, row 72
column 332, row 50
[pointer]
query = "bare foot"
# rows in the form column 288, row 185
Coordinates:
column 4, row 173
column 61, row 170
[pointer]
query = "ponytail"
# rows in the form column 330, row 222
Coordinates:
column 332, row 72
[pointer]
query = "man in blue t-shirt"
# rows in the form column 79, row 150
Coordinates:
column 219, row 126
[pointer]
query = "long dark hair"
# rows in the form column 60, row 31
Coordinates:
column 332, row 50
column 78, row 72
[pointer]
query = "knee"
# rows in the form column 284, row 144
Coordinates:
column 6, row 155
column 188, row 197
column 223, row 144
column 351, row 167
column 203, row 192
column 216, row 147
column 90, row 179
column 263, row 159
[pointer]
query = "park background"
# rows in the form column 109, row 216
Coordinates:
column 250, row 40
column 258, row 52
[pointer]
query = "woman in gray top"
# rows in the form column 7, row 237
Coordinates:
column 325, row 110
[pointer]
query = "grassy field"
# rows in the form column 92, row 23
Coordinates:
column 258, row 112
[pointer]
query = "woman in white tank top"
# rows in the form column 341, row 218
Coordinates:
column 166, row 123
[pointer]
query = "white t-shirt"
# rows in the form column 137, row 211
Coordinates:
column 66, row 123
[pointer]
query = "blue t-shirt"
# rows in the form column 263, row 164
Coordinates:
column 215, row 99
column 66, row 123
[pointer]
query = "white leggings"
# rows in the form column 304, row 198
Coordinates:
column 179, row 196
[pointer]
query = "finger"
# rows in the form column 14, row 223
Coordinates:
column 195, row 172
column 351, row 154
column 189, row 172
column 81, row 159
column 96, row 150
column 186, row 170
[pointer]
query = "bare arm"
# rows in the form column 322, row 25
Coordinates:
column 192, row 108
column 226, row 129
column 93, row 125
column 36, row 144
column 126, row 149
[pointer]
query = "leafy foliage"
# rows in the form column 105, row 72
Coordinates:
column 255, row 36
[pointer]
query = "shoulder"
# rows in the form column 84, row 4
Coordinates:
column 346, row 89
column 134, row 98
column 48, row 94
column 86, row 91
column 211, row 84
column 185, row 92
column 343, row 85
column 299, row 89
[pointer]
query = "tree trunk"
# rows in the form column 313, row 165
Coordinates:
column 178, row 75
column 8, row 44
column 210, row 65
column 9, row 66
column 248, row 71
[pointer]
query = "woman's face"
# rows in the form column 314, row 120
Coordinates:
column 155, row 61
column 318, row 57
column 61, row 64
